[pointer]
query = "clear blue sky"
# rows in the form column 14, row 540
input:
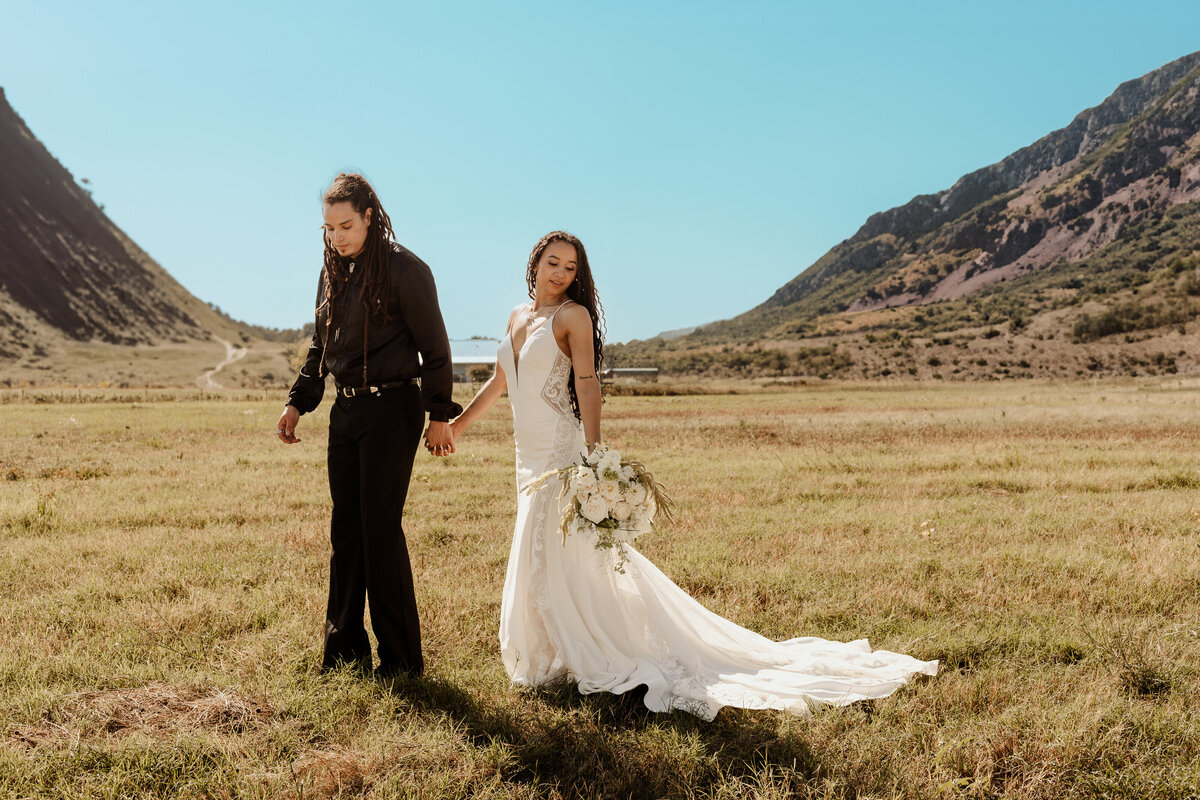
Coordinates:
column 706, row 153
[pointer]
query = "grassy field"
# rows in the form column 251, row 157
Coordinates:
column 123, row 367
column 163, row 563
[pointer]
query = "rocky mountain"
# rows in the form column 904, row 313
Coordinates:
column 1090, row 232
column 68, row 274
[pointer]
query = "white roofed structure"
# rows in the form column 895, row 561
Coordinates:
column 467, row 353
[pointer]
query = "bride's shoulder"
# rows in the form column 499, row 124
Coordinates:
column 575, row 313
column 573, row 320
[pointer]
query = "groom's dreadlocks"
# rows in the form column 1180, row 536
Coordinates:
column 374, row 260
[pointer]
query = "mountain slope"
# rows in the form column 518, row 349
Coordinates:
column 1037, row 205
column 67, row 273
column 1099, row 218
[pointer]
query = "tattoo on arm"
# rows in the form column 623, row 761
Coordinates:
column 585, row 377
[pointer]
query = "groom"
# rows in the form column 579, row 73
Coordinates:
column 380, row 333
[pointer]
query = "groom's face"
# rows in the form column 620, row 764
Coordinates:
column 346, row 229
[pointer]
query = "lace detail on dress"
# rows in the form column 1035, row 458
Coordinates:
column 567, row 445
column 555, row 391
column 544, row 501
column 546, row 663
column 537, row 565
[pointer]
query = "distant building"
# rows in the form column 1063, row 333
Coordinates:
column 645, row 374
column 468, row 353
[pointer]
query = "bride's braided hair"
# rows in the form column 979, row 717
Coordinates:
column 374, row 260
column 582, row 290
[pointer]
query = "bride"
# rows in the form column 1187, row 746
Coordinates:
column 566, row 612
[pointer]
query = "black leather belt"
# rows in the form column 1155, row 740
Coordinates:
column 361, row 391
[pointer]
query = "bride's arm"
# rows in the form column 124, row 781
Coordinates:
column 485, row 398
column 583, row 359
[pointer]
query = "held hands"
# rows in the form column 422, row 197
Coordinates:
column 286, row 427
column 439, row 438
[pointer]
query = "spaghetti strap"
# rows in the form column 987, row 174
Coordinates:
column 555, row 314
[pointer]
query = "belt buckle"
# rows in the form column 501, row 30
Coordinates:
column 350, row 392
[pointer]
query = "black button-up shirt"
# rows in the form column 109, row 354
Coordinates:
column 414, row 326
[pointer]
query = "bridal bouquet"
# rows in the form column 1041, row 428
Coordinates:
column 611, row 500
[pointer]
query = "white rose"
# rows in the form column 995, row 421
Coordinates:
column 583, row 481
column 610, row 491
column 636, row 495
column 621, row 511
column 595, row 509
column 627, row 474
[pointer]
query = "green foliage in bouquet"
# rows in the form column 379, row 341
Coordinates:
column 614, row 500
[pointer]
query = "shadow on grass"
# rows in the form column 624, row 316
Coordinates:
column 612, row 745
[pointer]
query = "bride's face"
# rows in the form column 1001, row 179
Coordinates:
column 556, row 269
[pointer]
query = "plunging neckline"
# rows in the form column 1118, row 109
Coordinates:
column 516, row 353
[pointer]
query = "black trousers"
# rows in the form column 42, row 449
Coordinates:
column 372, row 443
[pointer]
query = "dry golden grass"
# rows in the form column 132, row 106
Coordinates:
column 183, row 364
column 163, row 564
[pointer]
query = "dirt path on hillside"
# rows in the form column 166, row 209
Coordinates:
column 232, row 354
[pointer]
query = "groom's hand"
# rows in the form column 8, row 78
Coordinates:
column 439, row 439
column 286, row 427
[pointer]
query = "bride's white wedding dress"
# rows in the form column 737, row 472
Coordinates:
column 567, row 613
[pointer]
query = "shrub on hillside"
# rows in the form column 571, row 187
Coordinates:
column 1126, row 317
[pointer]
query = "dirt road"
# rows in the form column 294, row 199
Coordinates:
column 232, row 354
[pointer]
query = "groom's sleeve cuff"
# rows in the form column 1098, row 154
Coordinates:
column 444, row 412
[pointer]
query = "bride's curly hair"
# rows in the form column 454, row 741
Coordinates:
column 353, row 188
column 582, row 290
